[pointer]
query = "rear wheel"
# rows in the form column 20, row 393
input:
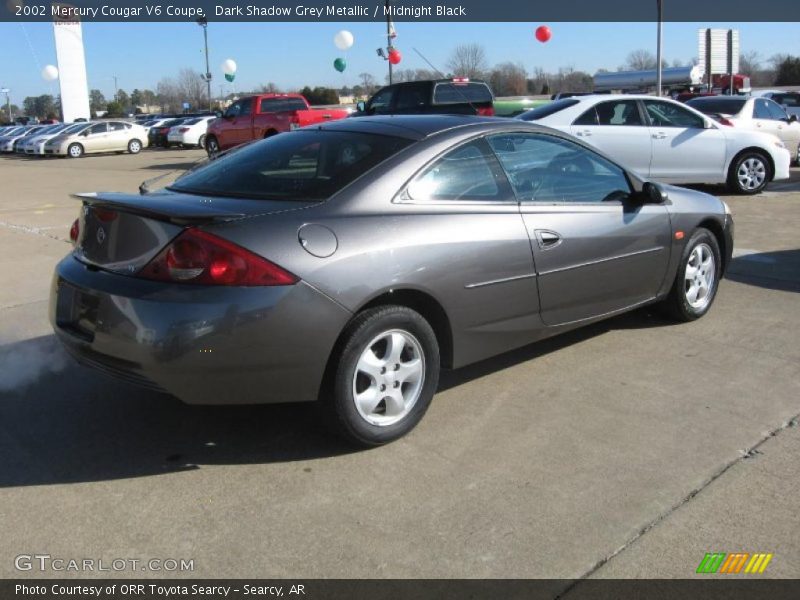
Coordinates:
column 75, row 151
column 201, row 143
column 384, row 376
column 698, row 276
column 749, row 173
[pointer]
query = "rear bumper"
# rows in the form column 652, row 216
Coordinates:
column 203, row 344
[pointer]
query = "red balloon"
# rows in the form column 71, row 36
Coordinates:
column 394, row 56
column 543, row 33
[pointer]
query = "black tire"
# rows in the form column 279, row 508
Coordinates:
column 212, row 146
column 338, row 402
column 201, row 143
column 677, row 305
column 736, row 186
column 75, row 150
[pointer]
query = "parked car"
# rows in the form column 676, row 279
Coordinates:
column 35, row 145
column 8, row 143
column 789, row 100
column 669, row 141
column 157, row 134
column 255, row 117
column 755, row 114
column 349, row 262
column 191, row 133
column 43, row 131
column 105, row 136
column 437, row 96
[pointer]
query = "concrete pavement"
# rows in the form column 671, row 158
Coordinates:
column 598, row 453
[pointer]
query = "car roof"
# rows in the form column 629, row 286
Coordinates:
column 414, row 127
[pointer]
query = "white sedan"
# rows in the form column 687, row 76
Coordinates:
column 756, row 114
column 191, row 132
column 667, row 141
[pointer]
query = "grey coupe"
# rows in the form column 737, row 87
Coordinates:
column 348, row 263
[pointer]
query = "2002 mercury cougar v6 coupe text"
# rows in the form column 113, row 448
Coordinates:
column 348, row 263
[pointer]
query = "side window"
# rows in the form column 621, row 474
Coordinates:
column 116, row 126
column 621, row 112
column 667, row 114
column 760, row 110
column 776, row 112
column 544, row 168
column 470, row 172
column 587, row 118
column 410, row 96
column 234, row 110
column 247, row 107
column 381, row 102
column 270, row 105
column 98, row 128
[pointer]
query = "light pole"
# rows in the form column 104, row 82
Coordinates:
column 387, row 8
column 203, row 22
column 7, row 92
column 659, row 45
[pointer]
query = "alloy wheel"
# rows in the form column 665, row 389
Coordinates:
column 700, row 275
column 389, row 377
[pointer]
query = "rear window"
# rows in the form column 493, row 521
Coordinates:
column 540, row 112
column 460, row 93
column 714, row 105
column 302, row 165
column 191, row 121
column 282, row 104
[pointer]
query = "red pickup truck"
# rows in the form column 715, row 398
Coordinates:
column 255, row 117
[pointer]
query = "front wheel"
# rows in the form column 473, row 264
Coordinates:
column 134, row 146
column 749, row 174
column 212, row 146
column 384, row 377
column 75, row 151
column 698, row 276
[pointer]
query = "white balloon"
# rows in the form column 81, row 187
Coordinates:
column 50, row 73
column 229, row 67
column 343, row 40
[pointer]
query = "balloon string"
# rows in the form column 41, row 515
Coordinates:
column 30, row 46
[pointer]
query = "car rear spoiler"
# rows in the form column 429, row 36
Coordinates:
column 174, row 208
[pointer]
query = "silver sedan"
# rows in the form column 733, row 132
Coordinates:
column 349, row 263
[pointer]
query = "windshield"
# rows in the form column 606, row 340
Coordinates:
column 792, row 100
column 302, row 165
column 546, row 110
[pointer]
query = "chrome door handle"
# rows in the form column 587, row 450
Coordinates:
column 659, row 136
column 585, row 133
column 547, row 239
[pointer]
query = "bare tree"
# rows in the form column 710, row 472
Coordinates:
column 368, row 82
column 411, row 75
column 468, row 60
column 168, row 95
column 192, row 88
column 269, row 88
column 750, row 62
column 640, row 60
column 509, row 79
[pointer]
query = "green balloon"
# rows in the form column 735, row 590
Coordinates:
column 230, row 77
column 340, row 65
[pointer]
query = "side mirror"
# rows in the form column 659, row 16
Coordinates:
column 653, row 193
column 792, row 118
column 361, row 106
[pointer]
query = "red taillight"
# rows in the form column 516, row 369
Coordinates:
column 104, row 215
column 75, row 231
column 724, row 121
column 183, row 130
column 205, row 259
column 460, row 79
column 486, row 111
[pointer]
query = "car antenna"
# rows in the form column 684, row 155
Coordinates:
column 443, row 76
